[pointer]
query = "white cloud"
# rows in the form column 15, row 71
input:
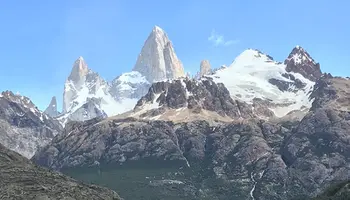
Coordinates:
column 219, row 40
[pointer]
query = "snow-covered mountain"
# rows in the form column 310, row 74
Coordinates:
column 254, row 76
column 23, row 127
column 87, row 95
column 270, row 88
column 253, row 86
column 157, row 60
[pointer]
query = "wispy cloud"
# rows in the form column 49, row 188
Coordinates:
column 219, row 40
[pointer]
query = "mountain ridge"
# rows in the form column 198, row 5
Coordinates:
column 125, row 94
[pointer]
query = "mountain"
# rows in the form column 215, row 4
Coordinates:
column 299, row 61
column 250, row 158
column 82, row 84
column 257, row 77
column 24, row 128
column 268, row 133
column 51, row 110
column 20, row 179
column 87, row 95
column 157, row 60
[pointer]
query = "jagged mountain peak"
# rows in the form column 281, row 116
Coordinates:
column 79, row 70
column 300, row 61
column 157, row 60
column 51, row 110
column 17, row 98
column 299, row 54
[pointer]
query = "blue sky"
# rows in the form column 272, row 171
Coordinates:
column 39, row 40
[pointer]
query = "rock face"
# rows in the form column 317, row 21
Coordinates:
column 188, row 97
column 20, row 179
column 23, row 128
column 157, row 60
column 249, row 159
column 299, row 61
column 205, row 68
column 51, row 110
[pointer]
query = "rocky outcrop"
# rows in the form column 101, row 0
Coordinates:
column 157, row 60
column 193, row 95
column 20, row 179
column 299, row 61
column 331, row 92
column 205, row 68
column 51, row 110
column 24, row 128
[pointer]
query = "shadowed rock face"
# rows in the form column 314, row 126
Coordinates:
column 273, row 161
column 20, row 179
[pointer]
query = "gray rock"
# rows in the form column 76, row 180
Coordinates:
column 205, row 68
column 196, row 95
column 51, row 110
column 24, row 128
column 157, row 60
column 299, row 61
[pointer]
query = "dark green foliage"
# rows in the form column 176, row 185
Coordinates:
column 339, row 191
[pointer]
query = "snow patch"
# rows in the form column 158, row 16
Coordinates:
column 133, row 77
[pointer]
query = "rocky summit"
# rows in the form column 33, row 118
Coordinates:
column 299, row 61
column 51, row 110
column 157, row 60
